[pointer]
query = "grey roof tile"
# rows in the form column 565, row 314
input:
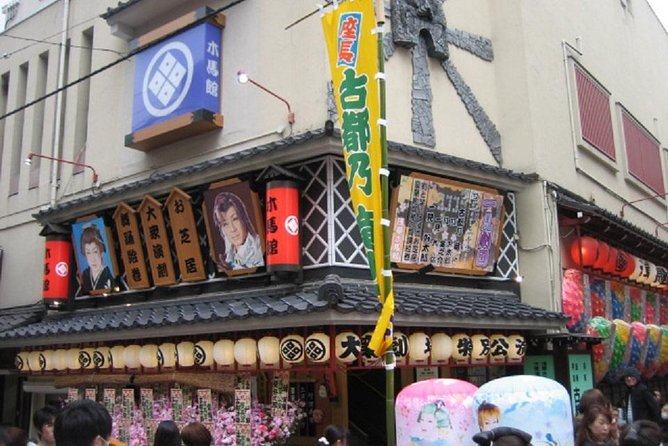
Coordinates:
column 262, row 303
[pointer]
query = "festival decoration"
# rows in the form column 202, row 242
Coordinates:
column 400, row 345
column 268, row 348
column 461, row 348
column 245, row 351
column 598, row 297
column 618, row 300
column 167, row 355
column 60, row 359
column 223, row 352
column 534, row 404
column 611, row 263
column 637, row 343
column 203, row 352
column 602, row 257
column 498, row 348
column 185, row 354
column 419, row 346
column 584, row 251
column 441, row 348
column 292, row 348
column 435, row 411
column 649, row 358
column 663, row 351
column 316, row 347
column 148, row 356
column 621, row 341
column 517, row 348
column 480, row 350
column 73, row 359
column 348, row 346
column 101, row 357
column 131, row 356
column 573, row 300
column 600, row 326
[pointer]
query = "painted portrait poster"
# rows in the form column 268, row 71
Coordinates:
column 234, row 227
column 96, row 262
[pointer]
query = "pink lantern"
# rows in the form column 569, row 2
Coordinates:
column 435, row 411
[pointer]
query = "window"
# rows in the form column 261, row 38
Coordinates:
column 595, row 115
column 643, row 154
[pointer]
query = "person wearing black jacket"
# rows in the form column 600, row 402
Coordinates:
column 639, row 403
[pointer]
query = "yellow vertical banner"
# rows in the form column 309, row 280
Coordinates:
column 352, row 44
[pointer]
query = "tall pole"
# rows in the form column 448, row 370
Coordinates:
column 390, row 360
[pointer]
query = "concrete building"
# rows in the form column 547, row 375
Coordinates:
column 556, row 107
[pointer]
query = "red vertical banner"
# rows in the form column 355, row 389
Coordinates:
column 283, row 247
column 57, row 266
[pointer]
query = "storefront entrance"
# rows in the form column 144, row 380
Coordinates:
column 366, row 406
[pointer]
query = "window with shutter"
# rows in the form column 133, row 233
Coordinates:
column 595, row 115
column 643, row 154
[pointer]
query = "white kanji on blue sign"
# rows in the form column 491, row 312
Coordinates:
column 178, row 76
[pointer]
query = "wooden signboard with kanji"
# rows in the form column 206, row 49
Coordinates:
column 157, row 241
column 132, row 252
column 453, row 226
column 184, row 230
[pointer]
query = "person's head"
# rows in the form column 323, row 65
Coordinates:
column 503, row 436
column 631, row 376
column 596, row 425
column 641, row 433
column 16, row 436
column 83, row 423
column 167, row 434
column 592, row 397
column 334, row 436
column 92, row 246
column 43, row 420
column 489, row 416
column 657, row 396
column 664, row 412
column 232, row 219
column 196, row 434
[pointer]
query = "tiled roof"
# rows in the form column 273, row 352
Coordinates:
column 11, row 318
column 119, row 7
column 612, row 227
column 329, row 303
column 191, row 171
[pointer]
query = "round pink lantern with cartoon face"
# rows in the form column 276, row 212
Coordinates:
column 435, row 412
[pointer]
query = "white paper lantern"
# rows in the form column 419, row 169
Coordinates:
column 131, row 356
column 639, row 269
column 245, row 352
column 185, row 354
column 419, row 348
column 33, row 361
column 22, row 361
column 316, row 347
column 268, row 347
column 517, row 348
column 400, row 347
column 204, row 353
column 292, row 349
column 498, row 348
column 148, row 356
column 73, row 359
column 368, row 355
column 47, row 358
column 116, row 356
column 167, row 355
column 480, row 350
column 651, row 278
column 86, row 358
column 60, row 359
column 441, row 348
column 348, row 346
column 461, row 348
column 101, row 357
column 223, row 352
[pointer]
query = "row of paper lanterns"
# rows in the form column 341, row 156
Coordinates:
column 593, row 253
column 416, row 348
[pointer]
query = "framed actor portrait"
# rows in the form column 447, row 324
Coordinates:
column 234, row 227
column 96, row 262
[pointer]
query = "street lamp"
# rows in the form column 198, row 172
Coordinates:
column 28, row 162
column 243, row 78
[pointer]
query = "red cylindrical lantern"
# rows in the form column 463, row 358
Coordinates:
column 609, row 266
column 602, row 258
column 283, row 226
column 626, row 264
column 57, row 266
column 584, row 251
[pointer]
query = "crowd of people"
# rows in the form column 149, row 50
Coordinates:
column 641, row 419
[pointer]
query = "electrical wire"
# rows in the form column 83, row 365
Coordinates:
column 11, row 53
column 121, row 59
column 58, row 44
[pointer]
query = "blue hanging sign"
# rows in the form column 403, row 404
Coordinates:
column 178, row 76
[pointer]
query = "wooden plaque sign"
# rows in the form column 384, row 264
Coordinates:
column 132, row 253
column 453, row 226
column 184, row 231
column 157, row 242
